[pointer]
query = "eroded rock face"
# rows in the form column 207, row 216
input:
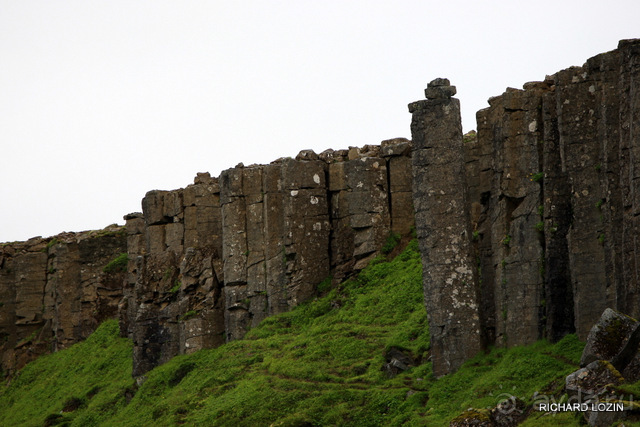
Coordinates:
column 443, row 228
column 276, row 229
column 54, row 292
column 528, row 229
column 547, row 185
column 550, row 195
column 359, row 212
column 173, row 301
column 506, row 205
column 212, row 260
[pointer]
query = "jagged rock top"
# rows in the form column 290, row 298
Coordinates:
column 439, row 89
column 41, row 244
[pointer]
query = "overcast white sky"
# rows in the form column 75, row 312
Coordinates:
column 101, row 101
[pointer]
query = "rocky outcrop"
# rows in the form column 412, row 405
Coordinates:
column 173, row 297
column 609, row 359
column 614, row 338
column 527, row 229
column 54, row 292
column 555, row 214
column 563, row 197
column 212, row 260
column 205, row 263
column 552, row 203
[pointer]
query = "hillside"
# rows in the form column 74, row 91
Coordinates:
column 323, row 363
column 527, row 230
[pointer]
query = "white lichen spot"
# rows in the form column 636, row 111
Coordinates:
column 592, row 88
column 566, row 102
column 447, row 109
column 376, row 165
column 463, row 269
column 294, row 193
column 317, row 226
column 316, row 178
column 585, row 192
column 360, row 184
column 533, row 126
column 314, row 200
column 575, row 79
column 584, row 75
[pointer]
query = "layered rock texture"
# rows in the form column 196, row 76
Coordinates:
column 56, row 291
column 552, row 200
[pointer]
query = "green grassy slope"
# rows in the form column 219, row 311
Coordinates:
column 319, row 364
column 93, row 375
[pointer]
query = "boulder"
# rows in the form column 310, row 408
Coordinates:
column 614, row 338
column 592, row 381
column 398, row 361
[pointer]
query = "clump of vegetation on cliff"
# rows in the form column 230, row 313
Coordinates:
column 118, row 264
column 323, row 363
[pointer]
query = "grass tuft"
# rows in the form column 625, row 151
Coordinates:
column 118, row 264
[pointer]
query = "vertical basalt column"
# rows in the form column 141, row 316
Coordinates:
column 606, row 69
column 256, row 267
column 629, row 130
column 442, row 224
column 360, row 212
column 23, row 273
column 577, row 130
column 479, row 169
column 557, row 221
column 397, row 152
column 234, row 253
column 516, row 242
column 307, row 228
column 275, row 258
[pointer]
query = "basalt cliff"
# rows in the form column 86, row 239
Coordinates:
column 527, row 229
